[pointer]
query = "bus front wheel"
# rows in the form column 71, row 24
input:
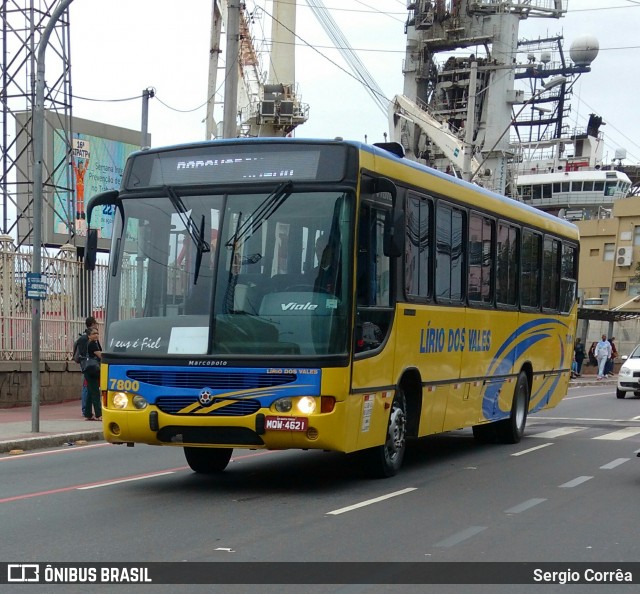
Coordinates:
column 385, row 460
column 207, row 460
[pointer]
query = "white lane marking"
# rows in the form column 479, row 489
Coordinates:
column 575, row 482
column 587, row 395
column 454, row 539
column 541, row 420
column 127, row 480
column 553, row 433
column 525, row 505
column 620, row 434
column 614, row 463
column 75, row 448
column 523, row 452
column 349, row 508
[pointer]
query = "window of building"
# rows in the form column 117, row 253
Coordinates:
column 604, row 295
column 634, row 289
column 594, row 252
column 636, row 235
column 609, row 252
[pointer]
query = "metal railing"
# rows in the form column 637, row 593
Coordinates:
column 72, row 295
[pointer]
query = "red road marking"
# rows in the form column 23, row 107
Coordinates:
column 134, row 476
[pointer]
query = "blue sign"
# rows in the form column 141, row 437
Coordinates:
column 36, row 286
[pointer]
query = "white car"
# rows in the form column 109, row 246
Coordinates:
column 629, row 375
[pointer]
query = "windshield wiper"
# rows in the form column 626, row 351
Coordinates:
column 196, row 234
column 262, row 212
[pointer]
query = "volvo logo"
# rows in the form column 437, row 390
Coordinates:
column 206, row 397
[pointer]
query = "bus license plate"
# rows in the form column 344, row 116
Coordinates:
column 286, row 423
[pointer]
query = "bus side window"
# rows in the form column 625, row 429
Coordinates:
column 373, row 292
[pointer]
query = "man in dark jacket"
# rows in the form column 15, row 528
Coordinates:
column 82, row 344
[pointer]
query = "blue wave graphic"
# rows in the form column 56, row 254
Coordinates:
column 513, row 348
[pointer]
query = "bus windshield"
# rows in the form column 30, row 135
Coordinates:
column 264, row 273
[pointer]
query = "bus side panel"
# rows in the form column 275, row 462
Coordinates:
column 546, row 342
column 374, row 379
column 431, row 339
column 465, row 405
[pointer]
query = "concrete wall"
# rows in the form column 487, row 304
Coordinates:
column 60, row 381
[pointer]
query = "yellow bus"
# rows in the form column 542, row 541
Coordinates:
column 289, row 293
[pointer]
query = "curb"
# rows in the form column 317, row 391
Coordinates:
column 19, row 445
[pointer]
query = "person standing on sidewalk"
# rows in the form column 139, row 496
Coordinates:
column 578, row 354
column 81, row 345
column 612, row 358
column 603, row 353
column 94, row 351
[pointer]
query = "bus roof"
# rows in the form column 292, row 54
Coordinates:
column 468, row 192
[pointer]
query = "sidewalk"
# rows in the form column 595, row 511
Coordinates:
column 62, row 424
column 59, row 424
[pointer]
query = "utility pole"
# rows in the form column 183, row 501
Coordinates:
column 217, row 19
column 38, row 151
column 230, row 125
column 146, row 95
column 470, row 122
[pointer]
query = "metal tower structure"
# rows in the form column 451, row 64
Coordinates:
column 271, row 108
column 462, row 61
column 23, row 22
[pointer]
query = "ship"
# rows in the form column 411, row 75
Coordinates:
column 482, row 104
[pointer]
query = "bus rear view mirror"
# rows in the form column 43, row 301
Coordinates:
column 91, row 249
column 109, row 198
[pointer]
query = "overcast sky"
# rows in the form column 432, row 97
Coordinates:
column 121, row 47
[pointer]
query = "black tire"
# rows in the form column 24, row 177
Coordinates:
column 511, row 430
column 385, row 461
column 620, row 393
column 207, row 460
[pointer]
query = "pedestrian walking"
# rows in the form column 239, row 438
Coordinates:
column 603, row 353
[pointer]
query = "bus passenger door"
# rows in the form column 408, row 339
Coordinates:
column 373, row 359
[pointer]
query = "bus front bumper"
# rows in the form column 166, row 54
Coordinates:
column 262, row 430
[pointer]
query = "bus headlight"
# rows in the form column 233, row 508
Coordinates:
column 284, row 405
column 120, row 400
column 139, row 402
column 307, row 405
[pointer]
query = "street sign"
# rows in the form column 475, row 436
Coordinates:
column 36, row 286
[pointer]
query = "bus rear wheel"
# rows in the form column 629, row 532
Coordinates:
column 207, row 460
column 385, row 460
column 511, row 430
